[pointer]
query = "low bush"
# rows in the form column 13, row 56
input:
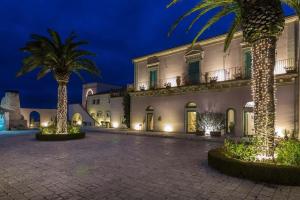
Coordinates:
column 288, row 152
column 52, row 129
column 243, row 150
column 263, row 172
column 59, row 137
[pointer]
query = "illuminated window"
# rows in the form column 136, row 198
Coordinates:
column 230, row 121
column 191, row 117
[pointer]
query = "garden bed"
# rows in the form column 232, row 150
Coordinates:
column 59, row 137
column 263, row 172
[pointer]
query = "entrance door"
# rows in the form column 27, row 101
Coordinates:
column 150, row 122
column 249, row 123
column 191, row 122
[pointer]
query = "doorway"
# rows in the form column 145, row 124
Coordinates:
column 191, row 117
column 149, row 118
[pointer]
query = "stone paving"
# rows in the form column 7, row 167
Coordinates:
column 111, row 166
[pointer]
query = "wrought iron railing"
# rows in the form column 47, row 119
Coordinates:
column 227, row 74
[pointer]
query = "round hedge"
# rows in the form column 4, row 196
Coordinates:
column 59, row 137
column 263, row 172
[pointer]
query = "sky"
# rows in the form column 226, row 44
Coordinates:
column 117, row 31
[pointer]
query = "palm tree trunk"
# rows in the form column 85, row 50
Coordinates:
column 62, row 104
column 263, row 91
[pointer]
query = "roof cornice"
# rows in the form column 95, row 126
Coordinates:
column 209, row 41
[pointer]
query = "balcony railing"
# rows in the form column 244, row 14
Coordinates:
column 228, row 74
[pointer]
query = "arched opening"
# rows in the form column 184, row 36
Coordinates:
column 248, row 119
column 149, row 118
column 230, row 121
column 191, row 117
column 77, row 119
column 89, row 92
column 2, row 122
column 35, row 119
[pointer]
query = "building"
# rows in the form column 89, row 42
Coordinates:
column 173, row 86
column 12, row 116
column 102, row 105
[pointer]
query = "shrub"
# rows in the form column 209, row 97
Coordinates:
column 243, row 150
column 211, row 121
column 266, row 172
column 288, row 152
column 52, row 129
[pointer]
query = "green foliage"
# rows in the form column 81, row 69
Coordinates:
column 126, row 109
column 266, row 172
column 54, row 55
column 222, row 8
column 288, row 152
column 242, row 150
column 50, row 130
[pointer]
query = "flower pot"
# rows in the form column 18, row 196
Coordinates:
column 215, row 133
column 178, row 81
column 200, row 133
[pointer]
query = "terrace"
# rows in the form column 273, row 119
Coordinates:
column 282, row 67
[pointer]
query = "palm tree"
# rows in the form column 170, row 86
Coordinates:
column 261, row 22
column 52, row 55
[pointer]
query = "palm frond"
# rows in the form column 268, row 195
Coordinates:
column 44, row 71
column 233, row 29
column 295, row 4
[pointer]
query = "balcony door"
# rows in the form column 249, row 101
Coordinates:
column 153, row 79
column 248, row 63
column 194, row 72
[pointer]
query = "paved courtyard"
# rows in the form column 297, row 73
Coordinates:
column 110, row 166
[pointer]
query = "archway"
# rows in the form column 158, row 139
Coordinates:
column 191, row 117
column 149, row 118
column 2, row 122
column 35, row 119
column 248, row 119
column 77, row 119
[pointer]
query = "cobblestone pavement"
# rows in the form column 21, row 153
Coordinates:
column 110, row 166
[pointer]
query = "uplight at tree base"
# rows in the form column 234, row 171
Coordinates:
column 138, row 127
column 115, row 125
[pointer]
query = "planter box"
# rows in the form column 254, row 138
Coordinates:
column 215, row 133
column 200, row 133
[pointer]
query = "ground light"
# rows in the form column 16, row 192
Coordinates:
column 115, row 125
column 168, row 128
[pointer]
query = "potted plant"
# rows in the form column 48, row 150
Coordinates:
column 200, row 133
column 206, row 77
column 238, row 76
column 212, row 121
column 142, row 88
column 290, row 70
column 213, row 79
column 178, row 81
column 231, row 127
column 168, row 85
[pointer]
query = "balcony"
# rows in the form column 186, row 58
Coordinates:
column 229, row 74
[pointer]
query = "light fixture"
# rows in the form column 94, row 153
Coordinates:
column 168, row 128
column 115, row 125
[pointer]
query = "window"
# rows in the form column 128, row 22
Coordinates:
column 98, row 101
column 99, row 114
column 153, row 79
column 247, row 63
column 194, row 72
column 94, row 101
column 230, row 121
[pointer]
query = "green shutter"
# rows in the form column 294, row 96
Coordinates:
column 194, row 72
column 248, row 63
column 153, row 79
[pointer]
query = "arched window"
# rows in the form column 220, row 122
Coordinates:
column 149, row 108
column 89, row 92
column 191, row 117
column 230, row 121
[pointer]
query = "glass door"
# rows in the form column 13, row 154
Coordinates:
column 191, row 122
column 150, row 122
column 249, row 123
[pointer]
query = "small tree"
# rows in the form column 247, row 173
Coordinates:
column 126, row 108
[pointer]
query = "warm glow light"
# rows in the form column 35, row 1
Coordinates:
column 279, row 132
column 168, row 128
column 79, row 123
column 115, row 125
column 138, row 127
column 45, row 124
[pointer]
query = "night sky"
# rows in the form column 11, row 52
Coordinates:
column 118, row 31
